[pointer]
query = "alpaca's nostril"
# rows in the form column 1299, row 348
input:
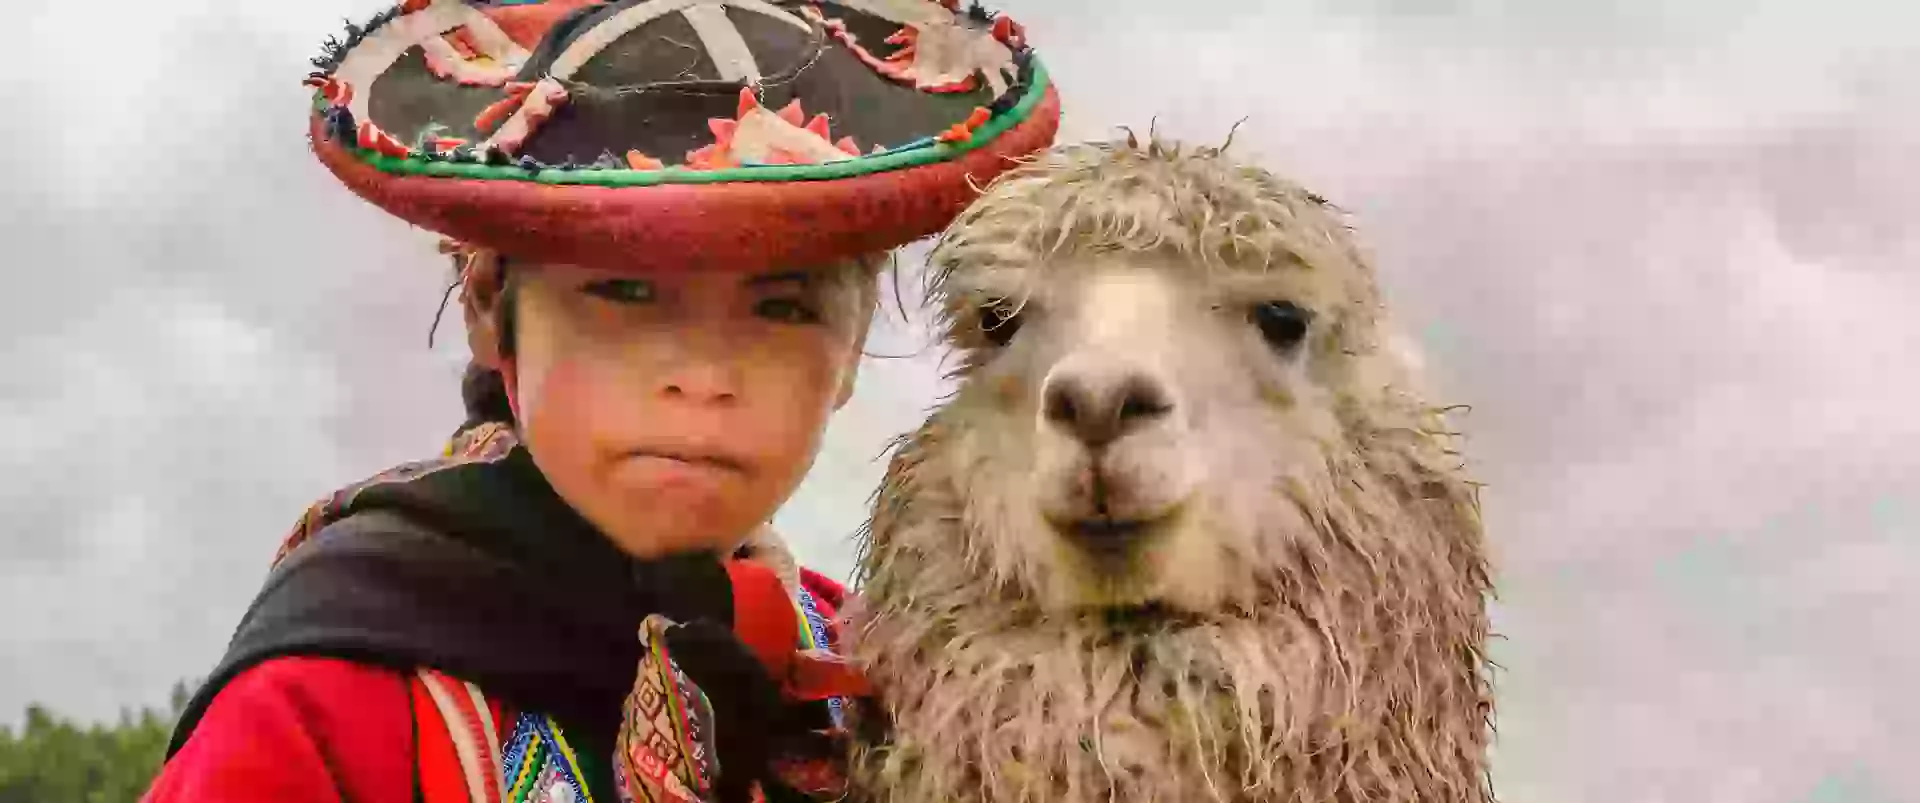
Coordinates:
column 1061, row 407
column 1097, row 412
column 1142, row 399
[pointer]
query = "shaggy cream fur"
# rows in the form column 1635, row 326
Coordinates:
column 1302, row 617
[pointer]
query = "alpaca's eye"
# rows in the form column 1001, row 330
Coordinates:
column 1282, row 323
column 999, row 320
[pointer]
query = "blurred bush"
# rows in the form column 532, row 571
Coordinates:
column 53, row 760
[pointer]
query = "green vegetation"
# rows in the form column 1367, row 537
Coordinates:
column 54, row 760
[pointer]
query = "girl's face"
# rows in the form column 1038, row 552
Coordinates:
column 674, row 411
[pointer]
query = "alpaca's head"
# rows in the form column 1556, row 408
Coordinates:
column 1162, row 351
column 1186, row 447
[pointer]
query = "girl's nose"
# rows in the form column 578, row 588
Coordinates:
column 703, row 370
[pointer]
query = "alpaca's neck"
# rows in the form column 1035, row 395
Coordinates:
column 1251, row 709
column 1075, row 713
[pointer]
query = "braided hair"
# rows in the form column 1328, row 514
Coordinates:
column 483, row 391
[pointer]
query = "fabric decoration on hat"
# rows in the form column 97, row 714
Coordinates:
column 743, row 134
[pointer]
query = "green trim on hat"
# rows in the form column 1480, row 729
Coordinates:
column 910, row 156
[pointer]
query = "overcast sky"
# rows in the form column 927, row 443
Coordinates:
column 1666, row 254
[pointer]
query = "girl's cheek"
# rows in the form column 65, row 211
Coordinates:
column 557, row 397
column 812, row 386
column 806, row 378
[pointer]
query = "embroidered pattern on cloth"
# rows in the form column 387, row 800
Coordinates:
column 480, row 444
column 814, row 636
column 758, row 135
column 939, row 53
column 538, row 766
column 938, row 49
column 665, row 751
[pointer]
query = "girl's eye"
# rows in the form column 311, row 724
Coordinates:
column 787, row 310
column 621, row 291
column 1283, row 324
column 999, row 321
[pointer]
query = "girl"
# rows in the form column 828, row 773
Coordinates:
column 579, row 600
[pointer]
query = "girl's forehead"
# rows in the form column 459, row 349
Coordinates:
column 664, row 274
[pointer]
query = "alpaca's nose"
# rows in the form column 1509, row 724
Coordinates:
column 1099, row 407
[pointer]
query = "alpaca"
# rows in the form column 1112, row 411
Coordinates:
column 1184, row 531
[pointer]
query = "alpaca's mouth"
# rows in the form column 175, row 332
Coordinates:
column 1116, row 537
column 1107, row 530
column 1148, row 617
column 1107, row 539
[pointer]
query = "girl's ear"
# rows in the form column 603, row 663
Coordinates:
column 866, row 297
column 854, row 356
column 482, row 301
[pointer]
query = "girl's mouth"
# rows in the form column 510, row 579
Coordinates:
column 678, row 464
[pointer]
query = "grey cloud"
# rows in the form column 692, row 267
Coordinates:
column 1664, row 251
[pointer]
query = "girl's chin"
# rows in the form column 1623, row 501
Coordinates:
column 648, row 543
column 665, row 519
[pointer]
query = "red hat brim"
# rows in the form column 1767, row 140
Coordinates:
column 743, row 225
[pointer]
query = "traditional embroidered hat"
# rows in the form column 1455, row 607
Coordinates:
column 695, row 133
